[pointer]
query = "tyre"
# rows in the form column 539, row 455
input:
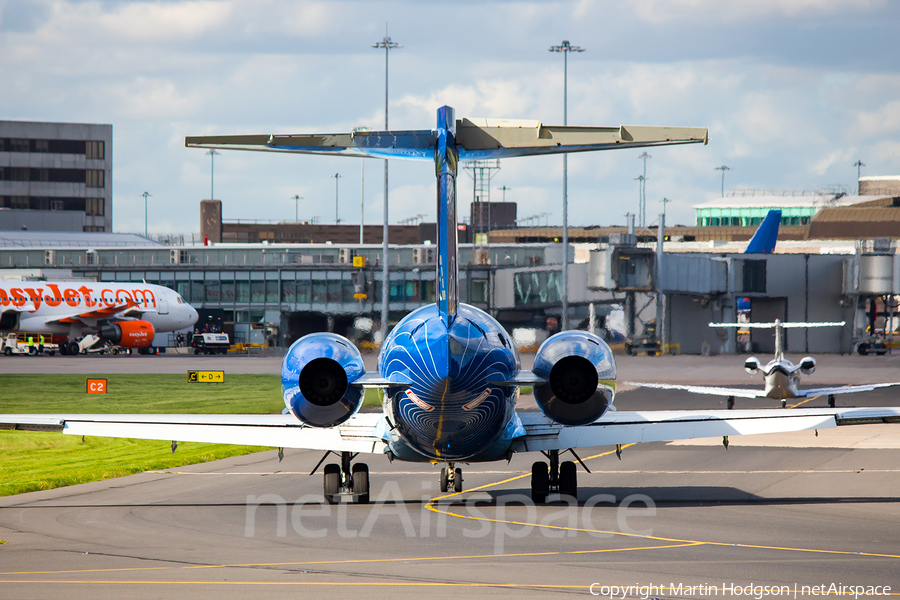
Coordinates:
column 8, row 352
column 152, row 351
column 51, row 353
column 445, row 480
column 361, row 482
column 114, row 351
column 457, row 481
column 540, row 482
column 568, row 479
column 332, row 485
column 74, row 350
column 196, row 351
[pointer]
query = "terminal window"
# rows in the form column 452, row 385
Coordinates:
column 755, row 276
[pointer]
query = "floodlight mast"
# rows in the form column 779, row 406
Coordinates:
column 565, row 48
column 723, row 168
column 388, row 45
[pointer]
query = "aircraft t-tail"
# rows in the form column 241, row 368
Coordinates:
column 781, row 375
column 449, row 373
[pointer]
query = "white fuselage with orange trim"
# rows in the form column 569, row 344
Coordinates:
column 64, row 306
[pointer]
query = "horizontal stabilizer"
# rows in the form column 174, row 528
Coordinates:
column 498, row 138
column 772, row 325
column 476, row 139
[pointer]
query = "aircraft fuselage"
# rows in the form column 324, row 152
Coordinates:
column 450, row 404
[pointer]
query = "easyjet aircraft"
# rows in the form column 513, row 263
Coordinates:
column 449, row 372
column 127, row 314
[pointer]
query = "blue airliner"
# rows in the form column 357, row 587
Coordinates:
column 449, row 373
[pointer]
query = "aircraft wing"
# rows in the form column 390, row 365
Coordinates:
column 704, row 389
column 358, row 434
column 845, row 389
column 121, row 310
column 621, row 427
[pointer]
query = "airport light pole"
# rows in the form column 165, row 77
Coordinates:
column 388, row 45
column 640, row 179
column 212, row 157
column 643, row 207
column 336, row 177
column 296, row 200
column 664, row 202
column 859, row 164
column 145, row 195
column 723, row 168
column 565, row 48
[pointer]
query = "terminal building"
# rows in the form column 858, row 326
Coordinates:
column 55, row 176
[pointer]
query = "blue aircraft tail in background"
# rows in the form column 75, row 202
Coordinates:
column 763, row 241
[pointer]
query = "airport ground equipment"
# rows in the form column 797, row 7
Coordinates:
column 18, row 344
column 210, row 343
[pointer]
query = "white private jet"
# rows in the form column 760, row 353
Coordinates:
column 126, row 314
column 781, row 375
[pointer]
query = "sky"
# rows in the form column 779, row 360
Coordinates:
column 793, row 92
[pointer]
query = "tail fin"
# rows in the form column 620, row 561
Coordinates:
column 446, row 161
column 763, row 241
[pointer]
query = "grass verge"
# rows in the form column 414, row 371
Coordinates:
column 32, row 461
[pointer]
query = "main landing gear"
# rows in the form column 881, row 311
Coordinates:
column 555, row 477
column 342, row 480
column 451, row 477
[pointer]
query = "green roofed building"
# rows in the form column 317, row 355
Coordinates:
column 747, row 208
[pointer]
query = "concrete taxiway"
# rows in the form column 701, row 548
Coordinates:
column 806, row 511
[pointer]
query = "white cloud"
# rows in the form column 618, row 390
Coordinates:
column 662, row 11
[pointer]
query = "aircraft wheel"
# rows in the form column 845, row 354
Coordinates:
column 151, row 350
column 113, row 351
column 445, row 480
column 568, row 479
column 361, row 482
column 540, row 482
column 457, row 481
column 332, row 485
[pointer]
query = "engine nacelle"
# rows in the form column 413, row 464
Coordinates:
column 128, row 334
column 808, row 365
column 751, row 365
column 580, row 373
column 315, row 379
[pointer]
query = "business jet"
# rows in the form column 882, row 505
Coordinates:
column 781, row 375
column 450, row 374
column 125, row 314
